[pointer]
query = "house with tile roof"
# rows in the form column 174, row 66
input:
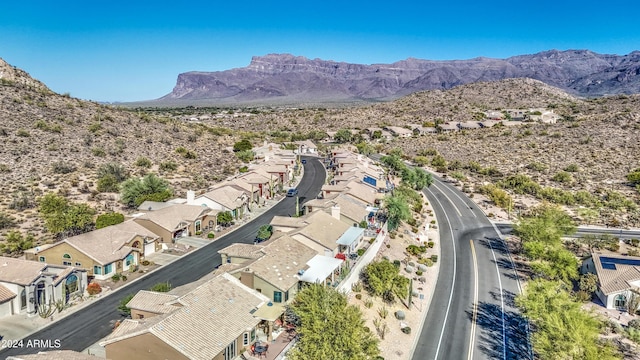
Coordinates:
column 261, row 181
column 178, row 220
column 146, row 304
column 350, row 210
column 618, row 277
column 216, row 321
column 26, row 284
column 224, row 198
column 276, row 273
column 102, row 252
column 321, row 233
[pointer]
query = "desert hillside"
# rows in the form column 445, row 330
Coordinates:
column 56, row 143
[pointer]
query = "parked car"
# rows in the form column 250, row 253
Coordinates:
column 292, row 192
column 304, row 161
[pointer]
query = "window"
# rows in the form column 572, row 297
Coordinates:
column 128, row 260
column 277, row 296
column 78, row 264
column 23, row 299
column 198, row 226
column 97, row 270
column 140, row 316
column 286, row 296
column 71, row 284
column 66, row 256
column 66, row 263
column 620, row 301
column 108, row 268
column 230, row 351
column 41, row 259
column 259, row 290
column 245, row 339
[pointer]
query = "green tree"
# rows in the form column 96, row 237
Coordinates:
column 64, row 218
column 547, row 223
column 330, row 328
column 135, row 191
column 382, row 278
column 118, row 171
column 588, row 283
column 122, row 306
column 16, row 243
column 107, row 183
column 423, row 179
column 264, row 232
column 109, row 219
column 397, row 210
column 394, row 163
column 377, row 134
column 224, row 217
column 242, row 145
column 438, row 161
column 6, row 221
column 343, row 136
column 561, row 329
column 365, row 148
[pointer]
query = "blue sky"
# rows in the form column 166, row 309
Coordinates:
column 119, row 51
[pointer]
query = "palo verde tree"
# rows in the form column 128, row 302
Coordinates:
column 561, row 329
column 329, row 327
column 382, row 278
column 64, row 218
column 343, row 136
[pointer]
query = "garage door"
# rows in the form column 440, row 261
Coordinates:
column 5, row 309
column 149, row 248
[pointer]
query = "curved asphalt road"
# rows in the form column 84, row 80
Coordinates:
column 95, row 321
column 472, row 314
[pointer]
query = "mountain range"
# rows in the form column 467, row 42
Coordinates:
column 284, row 78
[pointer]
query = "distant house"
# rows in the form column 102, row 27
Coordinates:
column 26, row 284
column 469, row 125
column 448, row 127
column 618, row 278
column 399, row 131
column 307, row 147
column 421, row 130
column 102, row 252
column 178, row 220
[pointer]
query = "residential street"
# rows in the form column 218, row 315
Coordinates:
column 95, row 321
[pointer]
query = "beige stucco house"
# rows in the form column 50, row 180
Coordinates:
column 103, row 252
column 618, row 278
column 178, row 220
column 26, row 284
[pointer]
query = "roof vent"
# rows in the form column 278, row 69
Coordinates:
column 301, row 272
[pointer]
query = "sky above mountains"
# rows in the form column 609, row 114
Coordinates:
column 129, row 51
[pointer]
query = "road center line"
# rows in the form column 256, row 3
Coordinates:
column 453, row 281
column 504, row 330
column 474, row 317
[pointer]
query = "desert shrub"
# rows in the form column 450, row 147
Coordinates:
column 396, row 263
column 431, row 244
column 434, row 258
column 562, row 177
column 211, row 235
column 94, row 288
column 61, row 167
column 416, row 250
column 143, row 162
column 168, row 166
column 406, row 330
column 368, row 303
column 360, row 252
column 23, row 133
column 108, row 219
column 356, row 287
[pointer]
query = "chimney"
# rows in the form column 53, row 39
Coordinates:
column 191, row 197
column 335, row 211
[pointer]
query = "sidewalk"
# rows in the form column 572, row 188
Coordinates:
column 22, row 325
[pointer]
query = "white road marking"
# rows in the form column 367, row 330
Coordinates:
column 453, row 282
column 504, row 329
column 474, row 318
column 448, row 198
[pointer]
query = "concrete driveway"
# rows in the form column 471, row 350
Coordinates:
column 161, row 258
column 192, row 241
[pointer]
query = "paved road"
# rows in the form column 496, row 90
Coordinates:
column 95, row 321
column 506, row 228
column 472, row 314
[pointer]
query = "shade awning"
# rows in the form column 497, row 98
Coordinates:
column 350, row 236
column 320, row 268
